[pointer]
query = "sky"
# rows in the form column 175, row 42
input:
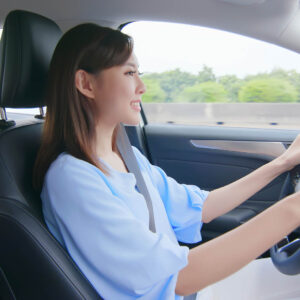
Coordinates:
column 161, row 46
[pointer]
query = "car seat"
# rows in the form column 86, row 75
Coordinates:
column 33, row 265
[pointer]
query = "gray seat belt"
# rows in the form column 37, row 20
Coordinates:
column 128, row 155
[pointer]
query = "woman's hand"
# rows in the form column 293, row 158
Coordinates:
column 291, row 157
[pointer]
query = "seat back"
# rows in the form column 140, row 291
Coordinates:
column 33, row 265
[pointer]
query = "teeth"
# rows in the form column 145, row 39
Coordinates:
column 135, row 104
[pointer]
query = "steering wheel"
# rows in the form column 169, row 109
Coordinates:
column 285, row 255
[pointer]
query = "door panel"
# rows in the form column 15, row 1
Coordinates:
column 176, row 150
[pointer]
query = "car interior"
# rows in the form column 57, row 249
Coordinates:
column 33, row 265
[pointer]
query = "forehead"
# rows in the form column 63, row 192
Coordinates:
column 132, row 59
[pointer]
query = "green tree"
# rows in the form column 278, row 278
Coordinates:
column 290, row 75
column 232, row 85
column 208, row 91
column 168, row 85
column 172, row 82
column 154, row 92
column 206, row 74
column 268, row 90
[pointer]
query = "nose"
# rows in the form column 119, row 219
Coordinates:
column 141, row 87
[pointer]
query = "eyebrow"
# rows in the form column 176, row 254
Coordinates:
column 131, row 64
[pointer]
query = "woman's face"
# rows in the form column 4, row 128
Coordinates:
column 118, row 93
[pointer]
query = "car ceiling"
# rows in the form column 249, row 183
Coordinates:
column 275, row 21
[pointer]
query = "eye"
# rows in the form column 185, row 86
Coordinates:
column 131, row 73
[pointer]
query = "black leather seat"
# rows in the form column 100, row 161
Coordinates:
column 33, row 265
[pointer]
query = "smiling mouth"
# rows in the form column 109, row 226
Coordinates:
column 136, row 105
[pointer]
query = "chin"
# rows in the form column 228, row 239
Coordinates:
column 132, row 121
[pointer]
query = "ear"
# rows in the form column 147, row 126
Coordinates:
column 83, row 82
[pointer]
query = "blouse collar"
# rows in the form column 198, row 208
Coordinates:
column 116, row 171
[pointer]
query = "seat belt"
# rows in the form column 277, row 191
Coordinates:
column 130, row 160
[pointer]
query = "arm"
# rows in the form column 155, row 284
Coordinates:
column 224, row 255
column 111, row 245
column 224, row 199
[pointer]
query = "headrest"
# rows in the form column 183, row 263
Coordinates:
column 26, row 47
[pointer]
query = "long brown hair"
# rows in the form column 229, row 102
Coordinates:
column 70, row 119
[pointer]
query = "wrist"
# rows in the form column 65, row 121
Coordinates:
column 281, row 164
column 292, row 204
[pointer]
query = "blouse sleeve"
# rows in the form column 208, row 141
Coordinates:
column 183, row 202
column 104, row 237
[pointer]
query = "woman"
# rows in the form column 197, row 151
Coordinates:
column 90, row 202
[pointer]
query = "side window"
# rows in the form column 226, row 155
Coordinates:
column 202, row 76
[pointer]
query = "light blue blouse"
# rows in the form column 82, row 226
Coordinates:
column 103, row 221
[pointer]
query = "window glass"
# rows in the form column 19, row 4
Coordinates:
column 203, row 76
column 22, row 113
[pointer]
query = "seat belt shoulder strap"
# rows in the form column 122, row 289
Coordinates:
column 130, row 160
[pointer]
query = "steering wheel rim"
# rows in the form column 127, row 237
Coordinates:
column 287, row 258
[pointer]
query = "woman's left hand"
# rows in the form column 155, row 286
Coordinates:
column 291, row 156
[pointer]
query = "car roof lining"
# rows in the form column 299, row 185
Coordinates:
column 274, row 21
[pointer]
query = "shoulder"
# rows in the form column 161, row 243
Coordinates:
column 67, row 163
column 67, row 170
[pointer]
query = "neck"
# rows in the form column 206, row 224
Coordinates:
column 104, row 140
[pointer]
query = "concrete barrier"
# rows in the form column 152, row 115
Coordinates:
column 285, row 115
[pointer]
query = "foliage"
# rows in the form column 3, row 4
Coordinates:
column 179, row 86
column 154, row 93
column 268, row 90
column 208, row 91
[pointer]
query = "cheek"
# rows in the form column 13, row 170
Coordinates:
column 122, row 93
column 115, row 95
column 115, row 103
